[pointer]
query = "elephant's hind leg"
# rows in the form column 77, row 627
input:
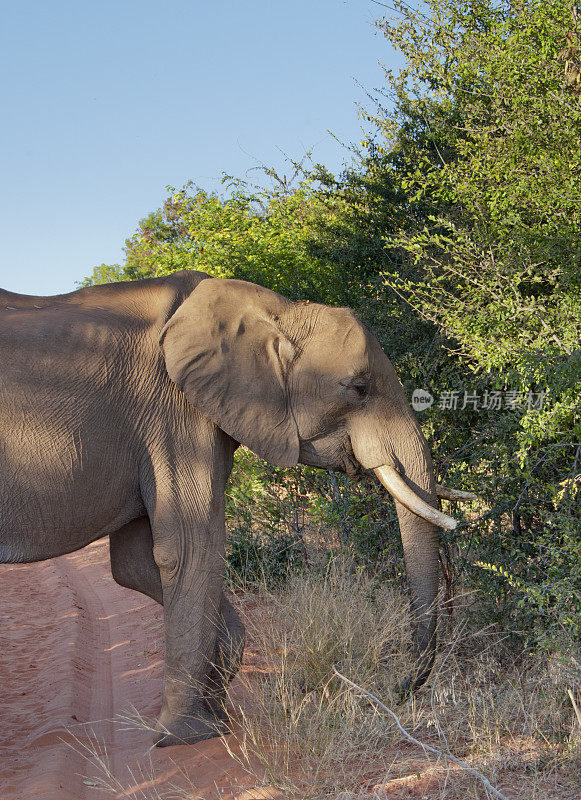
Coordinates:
column 132, row 562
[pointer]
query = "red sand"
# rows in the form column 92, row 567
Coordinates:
column 77, row 653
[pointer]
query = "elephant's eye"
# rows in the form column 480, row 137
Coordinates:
column 356, row 387
column 361, row 388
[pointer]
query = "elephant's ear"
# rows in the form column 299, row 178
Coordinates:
column 224, row 349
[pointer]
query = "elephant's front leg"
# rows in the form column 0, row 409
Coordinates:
column 187, row 522
column 132, row 562
column 228, row 657
column 133, row 566
column 192, row 592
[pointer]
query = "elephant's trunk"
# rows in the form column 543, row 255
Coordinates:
column 419, row 518
column 420, row 546
column 388, row 439
column 408, row 475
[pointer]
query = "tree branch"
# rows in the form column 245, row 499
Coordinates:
column 408, row 736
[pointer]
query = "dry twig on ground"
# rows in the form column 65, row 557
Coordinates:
column 408, row 736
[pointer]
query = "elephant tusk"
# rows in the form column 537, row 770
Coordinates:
column 396, row 486
column 454, row 494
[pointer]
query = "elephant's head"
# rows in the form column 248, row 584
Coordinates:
column 305, row 382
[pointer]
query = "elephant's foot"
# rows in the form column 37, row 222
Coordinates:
column 187, row 729
column 216, row 702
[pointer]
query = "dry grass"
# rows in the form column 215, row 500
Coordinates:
column 303, row 727
column 508, row 715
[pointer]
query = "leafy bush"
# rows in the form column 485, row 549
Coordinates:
column 476, row 175
column 264, row 236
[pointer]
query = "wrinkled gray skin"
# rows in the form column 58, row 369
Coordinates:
column 121, row 407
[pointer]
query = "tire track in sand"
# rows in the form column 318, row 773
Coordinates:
column 117, row 664
column 94, row 696
column 74, row 659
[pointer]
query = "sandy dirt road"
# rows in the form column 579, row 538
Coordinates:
column 78, row 654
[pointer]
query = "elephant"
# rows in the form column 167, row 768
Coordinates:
column 121, row 407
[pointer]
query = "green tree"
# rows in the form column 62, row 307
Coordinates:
column 270, row 237
column 485, row 134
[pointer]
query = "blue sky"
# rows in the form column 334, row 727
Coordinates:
column 105, row 104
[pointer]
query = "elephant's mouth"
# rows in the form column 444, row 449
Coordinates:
column 352, row 468
column 321, row 452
